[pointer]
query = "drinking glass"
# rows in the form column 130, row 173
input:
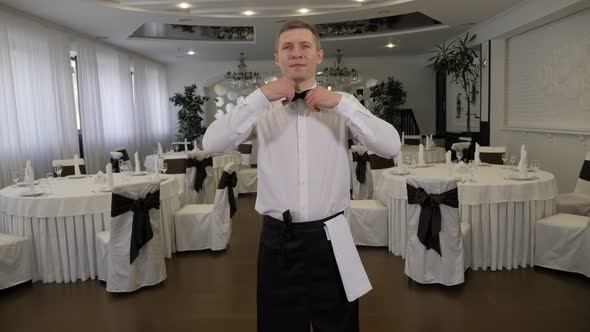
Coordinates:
column 58, row 169
column 504, row 158
column 512, row 159
column 163, row 167
column 15, row 177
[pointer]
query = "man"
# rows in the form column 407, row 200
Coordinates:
column 303, row 183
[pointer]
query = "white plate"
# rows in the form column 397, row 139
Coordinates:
column 484, row 165
column 23, row 184
column 139, row 173
column 399, row 172
column 81, row 176
column 423, row 166
column 33, row 193
column 102, row 190
column 518, row 178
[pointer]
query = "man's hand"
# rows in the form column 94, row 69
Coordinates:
column 319, row 98
column 279, row 89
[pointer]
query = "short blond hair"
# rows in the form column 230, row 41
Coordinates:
column 298, row 24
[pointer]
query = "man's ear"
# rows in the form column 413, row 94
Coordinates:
column 276, row 56
column 320, row 56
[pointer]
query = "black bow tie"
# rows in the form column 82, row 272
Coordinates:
column 300, row 95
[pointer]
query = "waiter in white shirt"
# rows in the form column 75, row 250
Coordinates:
column 303, row 183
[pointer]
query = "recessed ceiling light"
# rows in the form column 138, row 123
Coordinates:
column 390, row 45
column 191, row 52
column 303, row 10
column 248, row 13
column 359, row 0
column 184, row 5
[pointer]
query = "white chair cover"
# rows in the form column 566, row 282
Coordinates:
column 563, row 243
column 205, row 226
column 459, row 148
column 113, row 246
column 577, row 202
column 207, row 192
column 247, row 180
column 361, row 191
column 427, row 266
column 368, row 222
column 16, row 260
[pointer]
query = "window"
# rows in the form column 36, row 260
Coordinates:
column 74, row 64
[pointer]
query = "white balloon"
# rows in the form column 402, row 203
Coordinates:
column 229, row 107
column 240, row 99
column 220, row 90
column 219, row 101
column 232, row 95
column 371, row 82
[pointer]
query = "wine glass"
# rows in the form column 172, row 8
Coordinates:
column 512, row 159
column 58, row 169
column 163, row 167
column 504, row 158
column 472, row 170
column 535, row 165
column 15, row 177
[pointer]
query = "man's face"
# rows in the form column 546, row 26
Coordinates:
column 298, row 55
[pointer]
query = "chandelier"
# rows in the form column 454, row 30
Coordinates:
column 243, row 80
column 339, row 77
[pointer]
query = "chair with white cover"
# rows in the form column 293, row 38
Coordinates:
column 362, row 179
column 130, row 255
column 245, row 150
column 437, row 241
column 16, row 260
column 68, row 166
column 208, row 226
column 247, row 180
column 562, row 242
column 199, row 187
column 123, row 151
column 368, row 222
column 492, row 154
column 460, row 148
column 577, row 202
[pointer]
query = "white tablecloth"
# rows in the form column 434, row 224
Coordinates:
column 63, row 224
column 502, row 213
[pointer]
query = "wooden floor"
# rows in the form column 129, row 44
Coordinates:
column 213, row 292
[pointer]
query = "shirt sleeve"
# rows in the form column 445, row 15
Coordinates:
column 227, row 132
column 376, row 134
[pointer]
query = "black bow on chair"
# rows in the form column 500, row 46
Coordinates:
column 361, row 165
column 115, row 164
column 429, row 225
column 229, row 181
column 141, row 230
column 201, row 171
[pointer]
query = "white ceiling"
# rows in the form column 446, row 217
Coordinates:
column 116, row 20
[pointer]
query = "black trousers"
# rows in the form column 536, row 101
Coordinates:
column 298, row 281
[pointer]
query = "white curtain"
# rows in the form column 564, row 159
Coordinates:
column 111, row 116
column 37, row 110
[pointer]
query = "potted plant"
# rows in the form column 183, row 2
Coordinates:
column 387, row 97
column 457, row 60
column 190, row 120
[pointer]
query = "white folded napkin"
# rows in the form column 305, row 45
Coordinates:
column 403, row 138
column 427, row 142
column 421, row 155
column 185, row 145
column 523, row 164
column 77, row 165
column 448, row 162
column 476, row 159
column 195, row 147
column 116, row 155
column 100, row 177
column 160, row 151
column 156, row 169
column 137, row 164
column 352, row 273
column 110, row 176
column 29, row 174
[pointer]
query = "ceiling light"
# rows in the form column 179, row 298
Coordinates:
column 184, row 5
column 191, row 52
column 359, row 0
column 248, row 13
column 390, row 45
column 303, row 10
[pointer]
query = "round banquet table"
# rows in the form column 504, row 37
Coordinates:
column 62, row 223
column 502, row 212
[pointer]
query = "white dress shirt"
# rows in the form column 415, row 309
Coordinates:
column 302, row 155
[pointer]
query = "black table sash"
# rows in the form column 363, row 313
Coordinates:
column 141, row 230
column 585, row 172
column 430, row 221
